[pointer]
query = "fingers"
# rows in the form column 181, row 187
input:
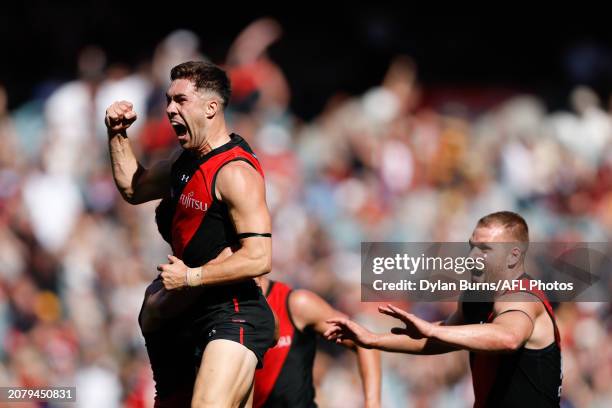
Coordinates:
column 118, row 110
column 332, row 332
column 336, row 336
column 389, row 312
column 341, row 327
column 337, row 320
column 130, row 116
column 166, row 281
column 396, row 309
column 385, row 310
column 120, row 115
column 128, row 111
column 125, row 105
column 396, row 312
column 122, row 107
column 162, row 267
column 406, row 317
column 336, row 328
column 173, row 259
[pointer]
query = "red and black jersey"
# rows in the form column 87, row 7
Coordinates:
column 526, row 377
column 195, row 223
column 286, row 377
column 198, row 227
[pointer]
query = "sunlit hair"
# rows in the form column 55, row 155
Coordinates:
column 205, row 76
column 511, row 221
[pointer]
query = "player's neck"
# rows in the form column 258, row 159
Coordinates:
column 516, row 273
column 218, row 136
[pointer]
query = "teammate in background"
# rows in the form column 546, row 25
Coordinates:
column 213, row 198
column 286, row 378
column 514, row 343
column 165, row 326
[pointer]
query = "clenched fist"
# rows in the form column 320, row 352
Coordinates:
column 174, row 274
column 119, row 116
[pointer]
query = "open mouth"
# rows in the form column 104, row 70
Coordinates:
column 179, row 129
column 477, row 274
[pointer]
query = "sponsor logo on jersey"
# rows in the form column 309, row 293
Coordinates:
column 188, row 201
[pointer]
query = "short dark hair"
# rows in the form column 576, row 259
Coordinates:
column 205, row 75
column 513, row 222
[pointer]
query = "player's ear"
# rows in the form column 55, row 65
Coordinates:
column 514, row 257
column 212, row 106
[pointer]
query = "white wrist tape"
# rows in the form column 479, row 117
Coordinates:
column 194, row 276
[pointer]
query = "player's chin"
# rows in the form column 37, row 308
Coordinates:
column 183, row 141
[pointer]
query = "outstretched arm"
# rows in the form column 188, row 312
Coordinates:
column 397, row 341
column 135, row 183
column 242, row 189
column 506, row 333
column 309, row 310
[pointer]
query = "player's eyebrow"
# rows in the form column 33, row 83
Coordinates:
column 481, row 245
column 178, row 95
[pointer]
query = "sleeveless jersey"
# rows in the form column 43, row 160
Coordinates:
column 526, row 377
column 286, row 377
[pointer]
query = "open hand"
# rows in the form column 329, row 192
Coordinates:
column 345, row 329
column 416, row 327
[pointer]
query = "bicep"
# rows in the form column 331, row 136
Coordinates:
column 517, row 319
column 242, row 188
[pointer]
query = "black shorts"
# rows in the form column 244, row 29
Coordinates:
column 238, row 313
column 171, row 352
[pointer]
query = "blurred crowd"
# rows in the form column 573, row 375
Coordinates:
column 382, row 166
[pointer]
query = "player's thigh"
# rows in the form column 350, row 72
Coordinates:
column 225, row 376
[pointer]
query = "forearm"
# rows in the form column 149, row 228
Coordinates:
column 370, row 372
column 124, row 165
column 240, row 266
column 399, row 343
column 488, row 337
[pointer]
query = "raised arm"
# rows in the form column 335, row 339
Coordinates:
column 135, row 183
column 309, row 310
